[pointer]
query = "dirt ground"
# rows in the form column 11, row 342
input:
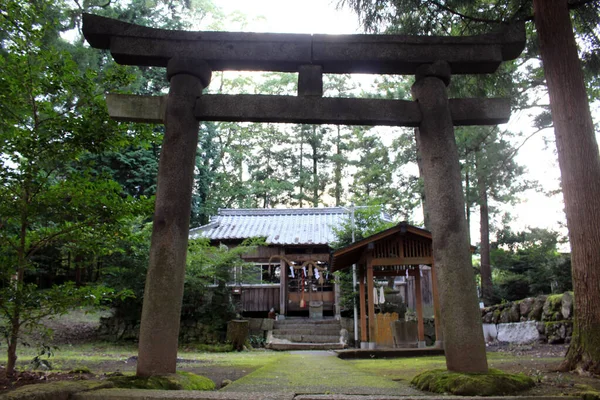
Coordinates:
column 540, row 361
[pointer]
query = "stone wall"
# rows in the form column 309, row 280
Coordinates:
column 116, row 329
column 515, row 321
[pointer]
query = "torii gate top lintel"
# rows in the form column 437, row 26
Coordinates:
column 377, row 54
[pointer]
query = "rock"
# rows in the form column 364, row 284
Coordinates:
column 225, row 382
column 514, row 314
column 566, row 308
column 344, row 336
column 559, row 331
column 505, row 316
column 541, row 327
column 267, row 324
column 490, row 333
column 525, row 306
column 488, row 317
column 538, row 307
column 496, row 316
column 552, row 307
column 520, row 332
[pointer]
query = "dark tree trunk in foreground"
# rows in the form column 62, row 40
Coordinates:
column 580, row 172
column 484, row 230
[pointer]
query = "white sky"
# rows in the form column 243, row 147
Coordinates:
column 320, row 16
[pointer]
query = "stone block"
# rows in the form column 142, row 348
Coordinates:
column 567, row 305
column 519, row 332
column 490, row 332
column 525, row 306
column 267, row 324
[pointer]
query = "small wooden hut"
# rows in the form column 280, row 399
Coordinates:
column 398, row 251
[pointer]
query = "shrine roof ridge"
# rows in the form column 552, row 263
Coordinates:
column 357, row 53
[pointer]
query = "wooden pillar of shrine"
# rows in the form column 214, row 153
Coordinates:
column 419, row 295
column 371, row 302
column 363, row 312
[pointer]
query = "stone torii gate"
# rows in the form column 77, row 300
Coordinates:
column 190, row 58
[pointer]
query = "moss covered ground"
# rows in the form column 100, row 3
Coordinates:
column 381, row 375
column 317, row 372
column 492, row 383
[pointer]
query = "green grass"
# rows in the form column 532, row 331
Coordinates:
column 406, row 369
column 108, row 357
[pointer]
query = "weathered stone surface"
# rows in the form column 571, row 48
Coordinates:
column 437, row 69
column 552, row 308
column 520, row 332
column 388, row 54
column 267, row 324
column 490, row 332
column 509, row 313
column 537, row 309
column 558, row 331
column 310, row 80
column 346, row 111
column 515, row 315
column 487, row 317
column 159, row 329
column 525, row 307
column 463, row 333
column 566, row 305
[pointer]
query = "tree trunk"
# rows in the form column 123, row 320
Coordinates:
column 423, row 197
column 484, row 230
column 338, row 169
column 467, row 200
column 315, row 159
column 12, row 347
column 237, row 333
column 580, row 173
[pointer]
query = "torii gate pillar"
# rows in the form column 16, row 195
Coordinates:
column 159, row 330
column 461, row 322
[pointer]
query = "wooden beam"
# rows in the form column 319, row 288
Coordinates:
column 376, row 54
column 371, row 301
column 308, row 257
column 420, row 322
column 362, row 300
column 283, row 282
column 380, row 262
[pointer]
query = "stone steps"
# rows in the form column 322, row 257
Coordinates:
column 308, row 338
column 306, row 334
column 333, row 331
column 305, row 346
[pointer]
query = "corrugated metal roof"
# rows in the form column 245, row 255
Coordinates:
column 299, row 226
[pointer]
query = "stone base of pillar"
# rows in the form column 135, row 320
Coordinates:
column 421, row 345
column 364, row 345
column 439, row 344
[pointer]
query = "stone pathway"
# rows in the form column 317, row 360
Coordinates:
column 317, row 372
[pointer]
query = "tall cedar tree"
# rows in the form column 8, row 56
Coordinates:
column 580, row 173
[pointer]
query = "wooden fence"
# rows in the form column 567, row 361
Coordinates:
column 260, row 297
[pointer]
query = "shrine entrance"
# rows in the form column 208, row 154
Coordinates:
column 310, row 291
column 190, row 58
